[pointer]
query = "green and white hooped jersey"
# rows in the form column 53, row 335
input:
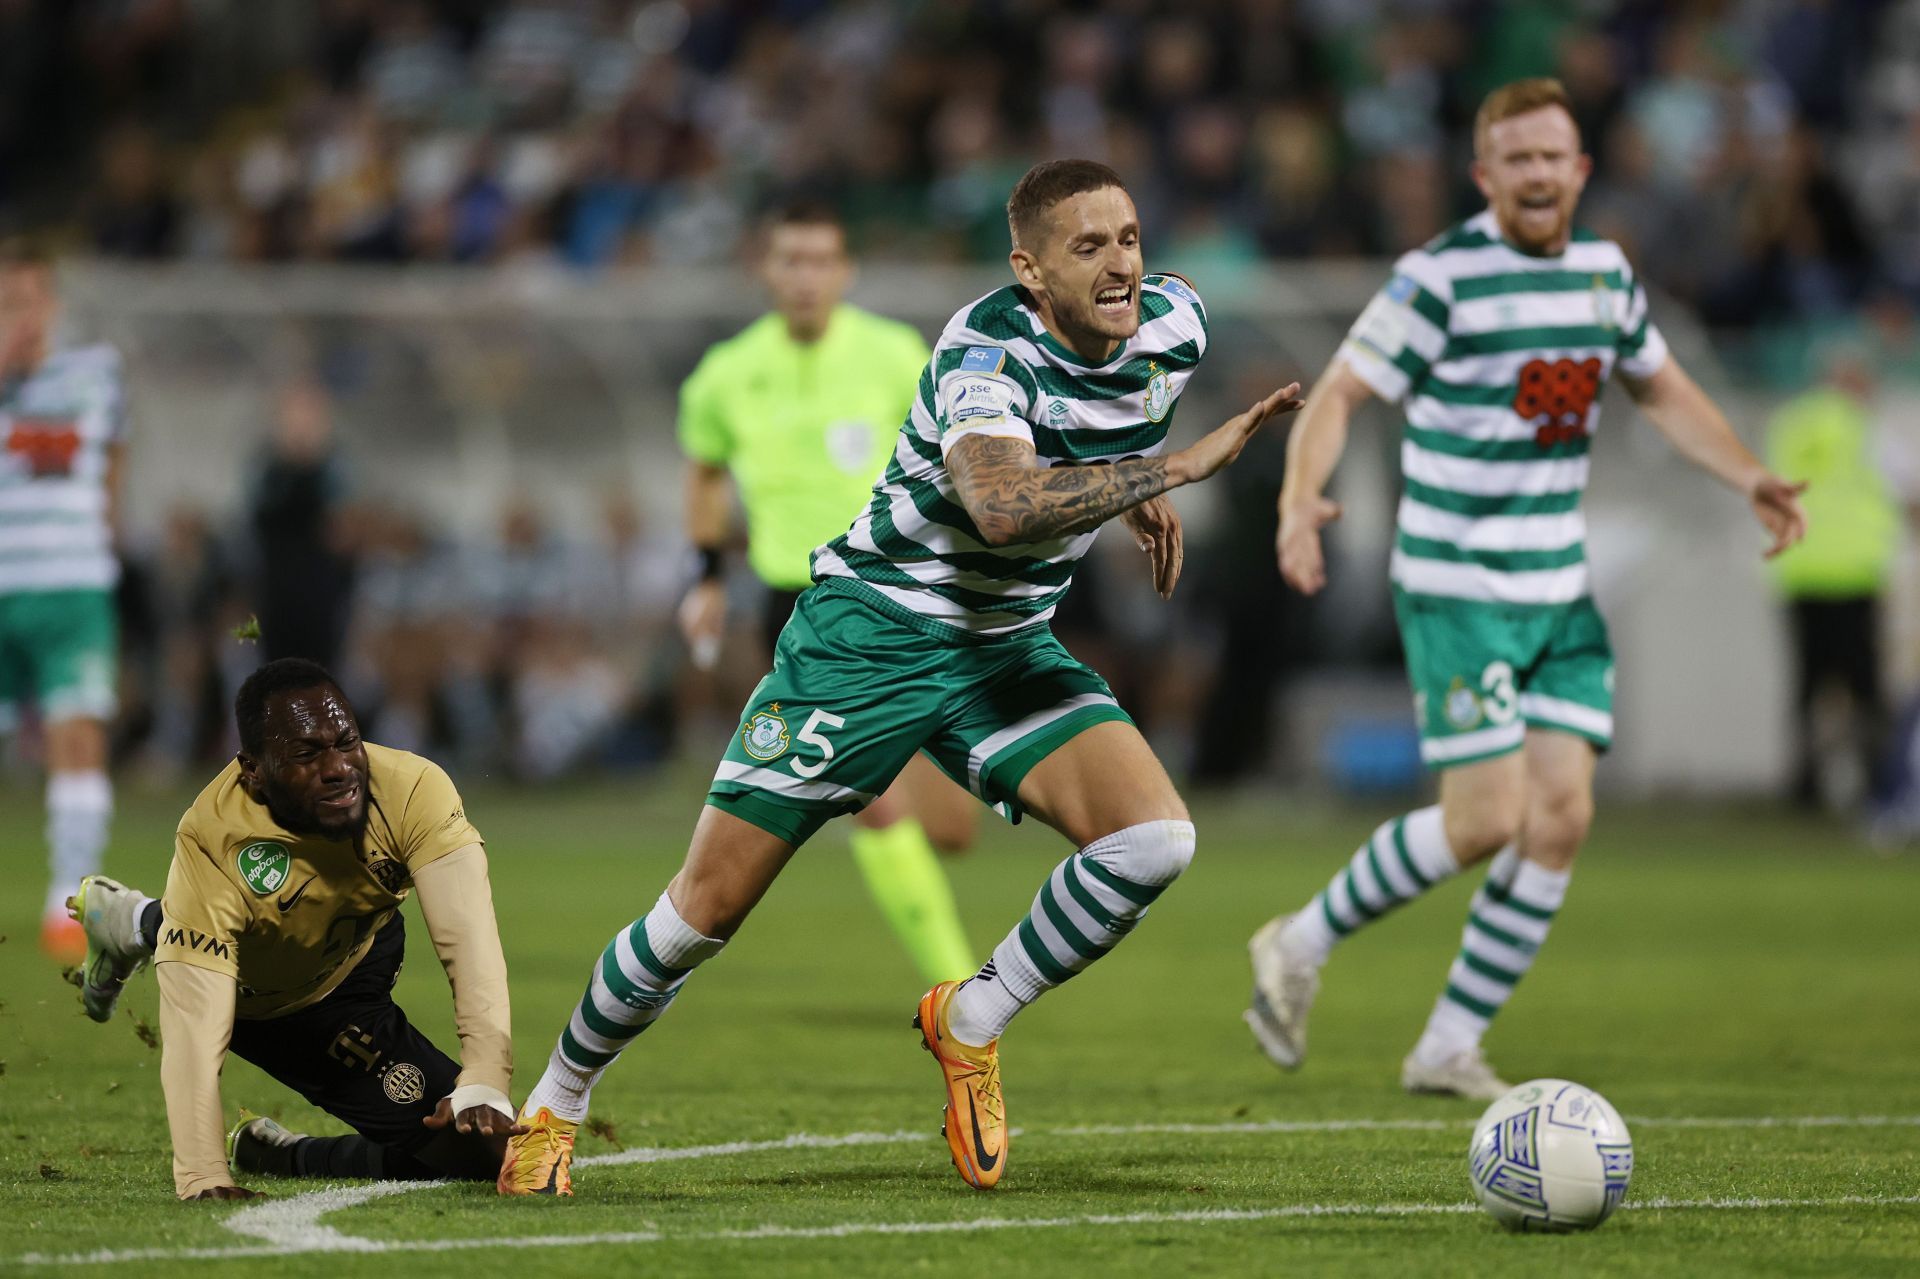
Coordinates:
column 56, row 429
column 1498, row 358
column 997, row 371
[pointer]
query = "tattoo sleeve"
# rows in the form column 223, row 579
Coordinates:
column 1014, row 499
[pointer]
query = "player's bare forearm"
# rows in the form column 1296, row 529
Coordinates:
column 709, row 504
column 1696, row 428
column 1013, row 499
column 1320, row 436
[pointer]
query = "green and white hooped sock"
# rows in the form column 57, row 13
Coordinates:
column 1506, row 926
column 1404, row 858
column 637, row 977
column 1092, row 900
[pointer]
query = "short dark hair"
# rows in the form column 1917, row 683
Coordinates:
column 807, row 213
column 283, row 675
column 19, row 252
column 1047, row 184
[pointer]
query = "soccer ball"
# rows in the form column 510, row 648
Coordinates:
column 1551, row 1155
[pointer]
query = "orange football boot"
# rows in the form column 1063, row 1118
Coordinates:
column 975, row 1120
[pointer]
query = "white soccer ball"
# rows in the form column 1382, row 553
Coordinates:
column 1551, row 1155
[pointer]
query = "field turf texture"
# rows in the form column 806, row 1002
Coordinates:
column 1743, row 985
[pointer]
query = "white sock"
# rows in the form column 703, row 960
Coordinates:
column 636, row 977
column 79, row 814
column 1092, row 900
column 1403, row 859
column 1506, row 926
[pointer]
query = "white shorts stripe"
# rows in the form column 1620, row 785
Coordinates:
column 782, row 784
column 1541, row 709
column 1000, row 741
column 1479, row 742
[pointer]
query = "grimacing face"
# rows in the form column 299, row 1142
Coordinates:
column 29, row 305
column 807, row 271
column 1085, row 269
column 1532, row 172
column 312, row 771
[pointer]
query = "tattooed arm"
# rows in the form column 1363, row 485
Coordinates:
column 1013, row 499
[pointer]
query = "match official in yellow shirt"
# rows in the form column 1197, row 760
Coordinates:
column 279, row 939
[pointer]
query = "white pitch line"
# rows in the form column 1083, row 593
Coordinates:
column 292, row 1225
column 1445, row 1125
column 855, row 1229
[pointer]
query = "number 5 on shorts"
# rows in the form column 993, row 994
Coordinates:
column 812, row 738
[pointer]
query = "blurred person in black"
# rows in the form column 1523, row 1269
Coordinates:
column 304, row 566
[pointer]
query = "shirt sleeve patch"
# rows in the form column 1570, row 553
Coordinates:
column 983, row 359
column 1382, row 327
column 1178, row 288
column 1401, row 288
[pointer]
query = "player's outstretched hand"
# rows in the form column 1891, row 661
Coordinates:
column 1155, row 526
column 1302, row 562
column 227, row 1192
column 1776, row 504
column 703, row 622
column 1213, row 451
column 485, row 1120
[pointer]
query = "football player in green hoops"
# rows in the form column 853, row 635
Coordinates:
column 62, row 422
column 798, row 412
column 1042, row 415
column 1495, row 339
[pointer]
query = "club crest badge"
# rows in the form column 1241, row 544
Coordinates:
column 1604, row 313
column 764, row 736
column 265, row 866
column 1463, row 706
column 404, row 1083
column 1159, row 392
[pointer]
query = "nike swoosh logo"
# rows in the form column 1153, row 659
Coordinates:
column 288, row 902
column 979, row 1147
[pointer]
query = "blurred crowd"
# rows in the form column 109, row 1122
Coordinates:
column 1761, row 158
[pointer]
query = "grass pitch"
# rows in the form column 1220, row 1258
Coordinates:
column 1744, row 987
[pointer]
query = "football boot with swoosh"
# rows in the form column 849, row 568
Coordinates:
column 975, row 1120
column 540, row 1160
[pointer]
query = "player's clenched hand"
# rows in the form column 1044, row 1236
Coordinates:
column 488, row 1121
column 1776, row 504
column 1155, row 526
column 703, row 621
column 1213, row 451
column 227, row 1192
column 1302, row 562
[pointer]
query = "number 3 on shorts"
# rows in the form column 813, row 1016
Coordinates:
column 812, row 738
column 1502, row 701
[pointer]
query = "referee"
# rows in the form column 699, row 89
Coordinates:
column 800, row 412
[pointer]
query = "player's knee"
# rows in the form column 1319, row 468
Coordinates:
column 1478, row 832
column 1560, row 820
column 950, row 836
column 1152, row 853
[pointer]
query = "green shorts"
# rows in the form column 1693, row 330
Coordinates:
column 60, row 650
column 1482, row 673
column 859, row 684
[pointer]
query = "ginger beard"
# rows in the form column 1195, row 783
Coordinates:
column 1085, row 269
column 1531, row 170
